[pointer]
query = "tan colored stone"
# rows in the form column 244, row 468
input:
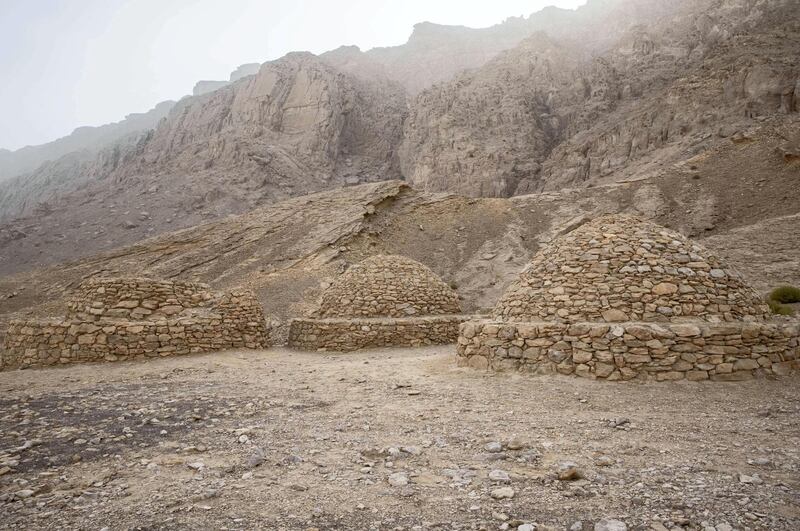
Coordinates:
column 603, row 370
column 745, row 365
column 581, row 356
column 724, row 368
column 696, row 376
column 614, row 316
column 665, row 288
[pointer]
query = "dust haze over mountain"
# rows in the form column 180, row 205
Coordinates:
column 548, row 105
column 97, row 61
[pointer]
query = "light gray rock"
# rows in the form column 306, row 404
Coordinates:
column 500, row 476
column 502, row 493
column 398, row 479
column 608, row 524
column 494, row 447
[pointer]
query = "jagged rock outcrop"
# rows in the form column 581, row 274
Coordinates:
column 487, row 129
column 617, row 89
column 579, row 115
column 436, row 53
column 297, row 126
column 297, row 123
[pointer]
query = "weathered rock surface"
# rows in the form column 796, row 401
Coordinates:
column 297, row 126
column 556, row 112
column 612, row 91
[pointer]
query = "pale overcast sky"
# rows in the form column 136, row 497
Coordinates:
column 67, row 63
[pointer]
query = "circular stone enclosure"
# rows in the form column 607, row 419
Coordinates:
column 136, row 298
column 623, row 268
column 622, row 298
column 388, row 286
column 381, row 302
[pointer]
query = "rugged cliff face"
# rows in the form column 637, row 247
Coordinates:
column 296, row 127
column 87, row 140
column 618, row 89
column 485, row 130
column 551, row 113
column 297, row 123
column 435, row 53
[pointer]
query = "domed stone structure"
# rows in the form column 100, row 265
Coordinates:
column 621, row 298
column 388, row 286
column 110, row 319
column 382, row 301
column 622, row 268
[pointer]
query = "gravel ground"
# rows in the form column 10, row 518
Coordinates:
column 388, row 439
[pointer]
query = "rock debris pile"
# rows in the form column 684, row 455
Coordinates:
column 622, row 298
column 382, row 301
column 111, row 319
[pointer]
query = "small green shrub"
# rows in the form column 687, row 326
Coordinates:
column 785, row 294
column 778, row 308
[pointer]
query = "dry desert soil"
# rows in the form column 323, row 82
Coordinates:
column 395, row 439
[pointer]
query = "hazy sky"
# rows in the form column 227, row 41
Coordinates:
column 67, row 63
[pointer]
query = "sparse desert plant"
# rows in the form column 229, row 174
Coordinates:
column 785, row 294
column 779, row 297
column 778, row 308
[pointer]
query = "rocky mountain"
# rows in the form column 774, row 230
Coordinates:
column 435, row 53
column 613, row 91
column 550, row 113
column 297, row 126
column 738, row 199
column 87, row 140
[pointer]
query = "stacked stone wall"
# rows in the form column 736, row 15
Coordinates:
column 624, row 351
column 234, row 320
column 136, row 298
column 352, row 334
column 626, row 269
column 388, row 286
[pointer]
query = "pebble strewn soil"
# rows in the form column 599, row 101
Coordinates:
column 389, row 439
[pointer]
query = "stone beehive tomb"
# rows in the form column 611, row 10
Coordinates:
column 111, row 319
column 621, row 298
column 382, row 301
